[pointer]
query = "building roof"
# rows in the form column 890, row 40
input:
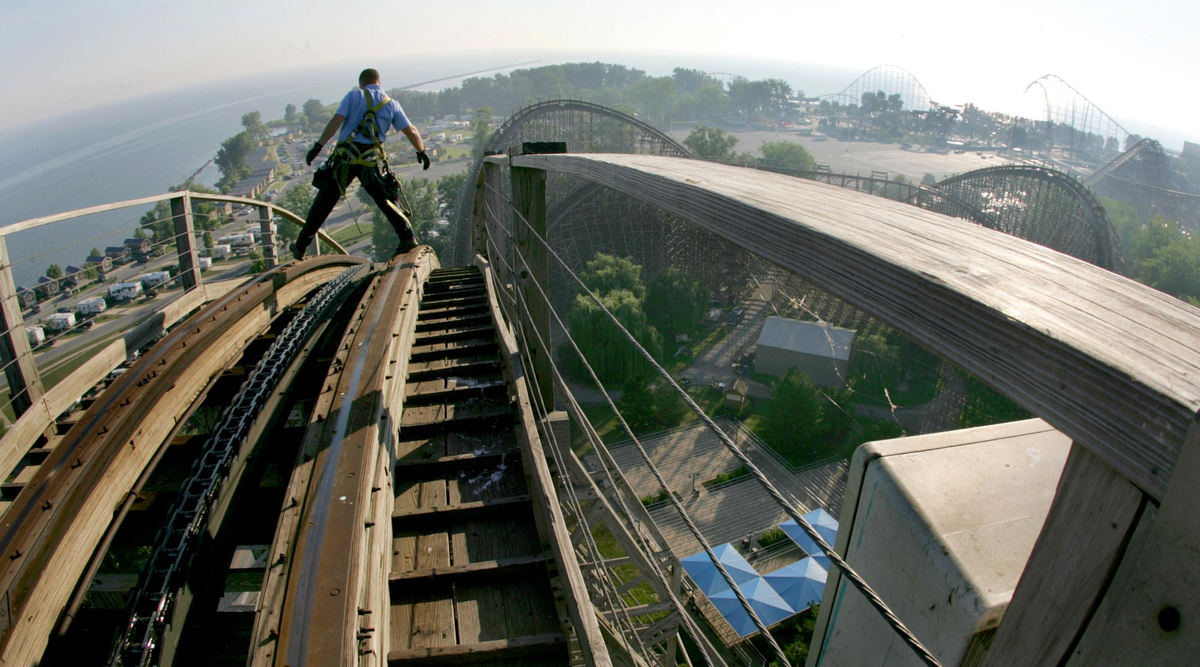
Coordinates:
column 813, row 338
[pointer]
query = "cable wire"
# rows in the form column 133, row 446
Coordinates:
column 861, row 584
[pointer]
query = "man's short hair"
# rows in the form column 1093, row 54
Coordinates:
column 368, row 76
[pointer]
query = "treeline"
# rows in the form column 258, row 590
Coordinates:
column 687, row 94
column 1158, row 252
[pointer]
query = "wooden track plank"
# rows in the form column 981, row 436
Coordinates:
column 516, row 647
column 482, row 541
column 1113, row 364
column 498, row 567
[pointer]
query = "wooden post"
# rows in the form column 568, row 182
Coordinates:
column 266, row 233
column 24, row 384
column 1094, row 512
column 484, row 208
column 185, row 241
column 1149, row 612
column 492, row 223
column 529, row 222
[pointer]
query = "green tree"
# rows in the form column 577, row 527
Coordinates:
column 787, row 156
column 315, row 113
column 208, row 240
column 711, row 143
column 296, row 199
column 450, row 188
column 481, row 130
column 791, row 418
column 637, row 404
column 383, row 237
column 656, row 97
column 252, row 121
column 608, row 351
column 232, row 159
column 675, row 302
column 649, row 407
column 1171, row 264
column 289, row 113
column 54, row 272
column 608, row 273
column 257, row 263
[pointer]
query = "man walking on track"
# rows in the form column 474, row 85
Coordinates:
column 364, row 117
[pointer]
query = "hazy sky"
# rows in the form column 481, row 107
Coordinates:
column 1137, row 61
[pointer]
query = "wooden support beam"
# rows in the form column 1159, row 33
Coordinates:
column 529, row 223
column 185, row 242
column 1150, row 611
column 24, row 383
column 266, row 236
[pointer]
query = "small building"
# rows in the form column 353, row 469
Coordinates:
column 73, row 275
column 37, row 335
column 124, row 291
column 220, row 251
column 138, row 246
column 819, row 350
column 91, row 307
column 205, row 263
column 29, row 298
column 103, row 263
column 60, row 322
column 119, row 254
column 46, row 287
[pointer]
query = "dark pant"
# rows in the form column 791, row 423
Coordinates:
column 328, row 194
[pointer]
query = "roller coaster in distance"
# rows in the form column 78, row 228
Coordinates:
column 391, row 478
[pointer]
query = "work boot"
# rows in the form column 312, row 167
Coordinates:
column 406, row 245
column 297, row 251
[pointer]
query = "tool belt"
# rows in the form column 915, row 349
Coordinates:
column 370, row 158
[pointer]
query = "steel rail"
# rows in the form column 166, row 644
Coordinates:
column 326, row 579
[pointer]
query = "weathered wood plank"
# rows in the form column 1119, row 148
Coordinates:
column 1113, row 364
column 444, row 512
column 487, row 651
column 498, row 567
column 1149, row 610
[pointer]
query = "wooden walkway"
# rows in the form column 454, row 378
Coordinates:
column 469, row 579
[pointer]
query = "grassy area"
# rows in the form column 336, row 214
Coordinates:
column 348, row 234
column 640, row 594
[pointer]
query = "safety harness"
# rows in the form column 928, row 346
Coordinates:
column 351, row 152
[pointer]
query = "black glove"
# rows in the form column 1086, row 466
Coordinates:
column 423, row 159
column 313, row 152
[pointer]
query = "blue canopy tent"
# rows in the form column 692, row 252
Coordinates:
column 770, row 607
column 822, row 521
column 800, row 584
column 702, row 571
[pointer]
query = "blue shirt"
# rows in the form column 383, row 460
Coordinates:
column 354, row 106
